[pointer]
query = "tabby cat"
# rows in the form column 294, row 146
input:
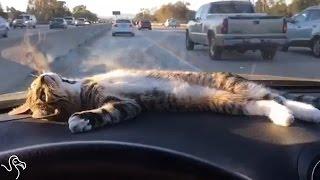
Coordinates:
column 121, row 95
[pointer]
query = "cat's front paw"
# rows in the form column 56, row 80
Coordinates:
column 79, row 125
column 281, row 116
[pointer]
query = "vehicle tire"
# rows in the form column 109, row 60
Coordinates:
column 189, row 43
column 150, row 29
column 215, row 52
column 113, row 34
column 316, row 47
column 34, row 26
column 14, row 27
column 132, row 34
column 285, row 48
column 5, row 35
column 268, row 54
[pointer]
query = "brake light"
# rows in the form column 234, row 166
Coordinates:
column 285, row 26
column 115, row 25
column 224, row 29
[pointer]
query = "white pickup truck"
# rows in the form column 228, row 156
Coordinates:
column 233, row 25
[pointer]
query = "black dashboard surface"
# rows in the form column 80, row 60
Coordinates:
column 252, row 146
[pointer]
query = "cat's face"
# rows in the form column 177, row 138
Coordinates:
column 50, row 94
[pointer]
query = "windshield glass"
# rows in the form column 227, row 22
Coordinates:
column 231, row 7
column 60, row 20
column 123, row 21
column 163, row 35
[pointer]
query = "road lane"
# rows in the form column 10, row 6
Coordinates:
column 298, row 62
column 165, row 49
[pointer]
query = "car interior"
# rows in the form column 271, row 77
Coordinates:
column 159, row 145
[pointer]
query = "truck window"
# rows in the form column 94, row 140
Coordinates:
column 198, row 14
column 314, row 15
column 204, row 11
column 301, row 17
column 227, row 7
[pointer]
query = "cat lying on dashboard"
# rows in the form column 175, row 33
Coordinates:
column 120, row 95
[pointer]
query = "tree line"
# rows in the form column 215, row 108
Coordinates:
column 280, row 8
column 46, row 10
column 180, row 10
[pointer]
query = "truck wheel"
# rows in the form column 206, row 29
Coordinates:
column 215, row 52
column 268, row 54
column 189, row 43
column 316, row 47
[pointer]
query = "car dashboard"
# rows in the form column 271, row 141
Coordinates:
column 251, row 146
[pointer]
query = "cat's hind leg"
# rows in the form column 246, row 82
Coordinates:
column 303, row 111
column 278, row 114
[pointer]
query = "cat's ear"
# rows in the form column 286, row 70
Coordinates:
column 23, row 109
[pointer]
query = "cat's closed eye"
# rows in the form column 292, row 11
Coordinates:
column 42, row 95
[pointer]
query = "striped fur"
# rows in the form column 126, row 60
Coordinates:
column 121, row 95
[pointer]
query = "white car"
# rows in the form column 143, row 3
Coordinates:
column 171, row 23
column 3, row 27
column 25, row 20
column 122, row 26
column 80, row 22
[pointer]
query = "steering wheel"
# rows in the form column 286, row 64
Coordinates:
column 108, row 160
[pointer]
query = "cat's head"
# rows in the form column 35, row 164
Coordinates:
column 50, row 94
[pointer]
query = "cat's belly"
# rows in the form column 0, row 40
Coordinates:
column 142, row 85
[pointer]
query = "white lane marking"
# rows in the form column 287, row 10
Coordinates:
column 171, row 53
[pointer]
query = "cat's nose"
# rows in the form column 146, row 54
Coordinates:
column 48, row 79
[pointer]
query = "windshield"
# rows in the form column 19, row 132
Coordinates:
column 123, row 21
column 163, row 35
column 23, row 17
column 60, row 20
column 231, row 7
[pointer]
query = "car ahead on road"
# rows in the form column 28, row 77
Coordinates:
column 25, row 20
column 58, row 23
column 171, row 23
column 233, row 25
column 145, row 24
column 80, row 22
column 4, row 28
column 122, row 26
column 70, row 20
column 304, row 30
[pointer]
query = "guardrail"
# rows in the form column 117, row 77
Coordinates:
column 161, row 25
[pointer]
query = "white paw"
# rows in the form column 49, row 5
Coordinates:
column 78, row 125
column 281, row 116
column 313, row 115
column 303, row 111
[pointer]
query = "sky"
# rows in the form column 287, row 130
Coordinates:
column 104, row 8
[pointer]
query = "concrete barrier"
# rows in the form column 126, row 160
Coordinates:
column 160, row 25
column 38, row 51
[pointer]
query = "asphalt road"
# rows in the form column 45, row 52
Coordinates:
column 157, row 49
column 165, row 49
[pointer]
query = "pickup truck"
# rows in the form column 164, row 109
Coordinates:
column 233, row 25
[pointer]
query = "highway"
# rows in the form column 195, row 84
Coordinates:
column 157, row 49
column 165, row 49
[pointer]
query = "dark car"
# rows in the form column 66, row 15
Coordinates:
column 145, row 24
column 58, row 23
